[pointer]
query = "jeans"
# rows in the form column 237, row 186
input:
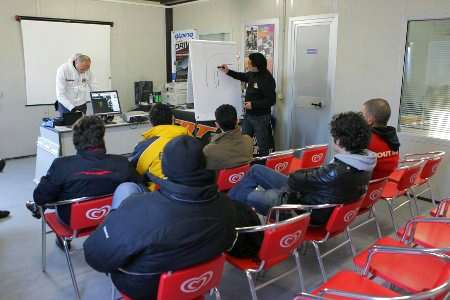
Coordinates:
column 273, row 183
column 62, row 109
column 124, row 190
column 261, row 128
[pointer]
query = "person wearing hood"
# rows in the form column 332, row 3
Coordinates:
column 384, row 141
column 74, row 82
column 343, row 180
column 184, row 223
column 147, row 154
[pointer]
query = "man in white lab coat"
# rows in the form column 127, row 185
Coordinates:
column 74, row 81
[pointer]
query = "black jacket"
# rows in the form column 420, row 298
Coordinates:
column 334, row 183
column 173, row 228
column 89, row 173
column 260, row 91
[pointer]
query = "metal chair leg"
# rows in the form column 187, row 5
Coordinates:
column 44, row 243
column 391, row 212
column 72, row 273
column 380, row 234
column 251, row 285
column 319, row 259
column 410, row 204
column 299, row 270
column 431, row 192
column 217, row 294
column 352, row 247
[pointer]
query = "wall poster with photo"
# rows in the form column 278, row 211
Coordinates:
column 262, row 36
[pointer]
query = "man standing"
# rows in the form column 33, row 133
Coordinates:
column 260, row 96
column 74, row 81
column 384, row 141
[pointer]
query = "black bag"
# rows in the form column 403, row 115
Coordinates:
column 247, row 244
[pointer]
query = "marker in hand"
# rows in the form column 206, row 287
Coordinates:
column 223, row 68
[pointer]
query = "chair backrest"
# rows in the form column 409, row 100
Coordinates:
column 431, row 166
column 313, row 156
column 227, row 178
column 279, row 242
column 342, row 216
column 409, row 175
column 374, row 192
column 191, row 283
column 281, row 164
column 89, row 213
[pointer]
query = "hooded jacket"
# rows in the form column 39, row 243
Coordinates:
column 344, row 180
column 384, row 142
column 147, row 154
column 72, row 87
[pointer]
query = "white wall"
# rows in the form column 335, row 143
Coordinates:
column 137, row 53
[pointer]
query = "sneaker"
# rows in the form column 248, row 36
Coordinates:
column 31, row 206
column 4, row 214
column 60, row 245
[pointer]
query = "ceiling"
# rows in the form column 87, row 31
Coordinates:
column 171, row 2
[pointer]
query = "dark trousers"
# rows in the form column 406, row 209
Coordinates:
column 261, row 128
column 62, row 109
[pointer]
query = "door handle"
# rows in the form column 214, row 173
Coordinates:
column 317, row 104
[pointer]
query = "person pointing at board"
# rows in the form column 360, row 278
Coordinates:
column 74, row 81
column 260, row 96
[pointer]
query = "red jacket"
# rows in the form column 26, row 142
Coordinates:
column 385, row 144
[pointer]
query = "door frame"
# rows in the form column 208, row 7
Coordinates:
column 294, row 22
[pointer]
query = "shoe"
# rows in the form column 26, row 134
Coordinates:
column 31, row 206
column 4, row 214
column 60, row 245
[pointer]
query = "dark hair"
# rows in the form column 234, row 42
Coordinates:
column 379, row 109
column 88, row 132
column 161, row 114
column 350, row 131
column 258, row 60
column 226, row 117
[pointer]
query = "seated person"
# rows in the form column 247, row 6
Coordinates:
column 146, row 157
column 91, row 172
column 3, row 213
column 343, row 180
column 230, row 148
column 184, row 223
column 384, row 141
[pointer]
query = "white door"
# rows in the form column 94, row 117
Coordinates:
column 311, row 61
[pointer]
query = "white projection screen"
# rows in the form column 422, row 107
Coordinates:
column 47, row 45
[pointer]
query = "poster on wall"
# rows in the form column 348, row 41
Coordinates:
column 180, row 53
column 262, row 36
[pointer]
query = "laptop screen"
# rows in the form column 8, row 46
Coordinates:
column 105, row 103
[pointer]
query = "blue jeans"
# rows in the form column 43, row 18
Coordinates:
column 273, row 183
column 261, row 128
column 124, row 190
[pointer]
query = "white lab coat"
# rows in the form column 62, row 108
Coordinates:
column 73, row 88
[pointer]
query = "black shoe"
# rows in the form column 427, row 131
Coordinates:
column 4, row 214
column 59, row 244
column 31, row 206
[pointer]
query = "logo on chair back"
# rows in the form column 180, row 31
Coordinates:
column 349, row 216
column 195, row 284
column 375, row 194
column 235, row 178
column 280, row 167
column 413, row 178
column 98, row 213
column 317, row 157
column 290, row 239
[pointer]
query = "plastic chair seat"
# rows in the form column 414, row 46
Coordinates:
column 242, row 263
column 430, row 235
column 414, row 273
column 352, row 282
column 317, row 233
column 391, row 190
column 62, row 230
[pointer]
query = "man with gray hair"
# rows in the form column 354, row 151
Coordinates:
column 74, row 81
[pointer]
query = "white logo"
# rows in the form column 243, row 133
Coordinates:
column 375, row 194
column 290, row 239
column 279, row 167
column 195, row 284
column 412, row 179
column 317, row 157
column 350, row 216
column 98, row 213
column 235, row 178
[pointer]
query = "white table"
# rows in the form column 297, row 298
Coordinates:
column 120, row 138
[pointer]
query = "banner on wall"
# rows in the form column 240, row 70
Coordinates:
column 261, row 36
column 180, row 53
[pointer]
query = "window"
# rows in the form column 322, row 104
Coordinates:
column 425, row 101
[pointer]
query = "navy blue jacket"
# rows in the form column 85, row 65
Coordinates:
column 170, row 229
column 89, row 173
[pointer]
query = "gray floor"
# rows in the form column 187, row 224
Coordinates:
column 20, row 250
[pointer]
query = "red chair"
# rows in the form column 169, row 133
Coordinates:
column 85, row 215
column 191, row 283
column 412, row 269
column 373, row 195
column 339, row 221
column 405, row 178
column 311, row 157
column 426, row 232
column 280, row 163
column 443, row 209
column 280, row 241
column 227, row 178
